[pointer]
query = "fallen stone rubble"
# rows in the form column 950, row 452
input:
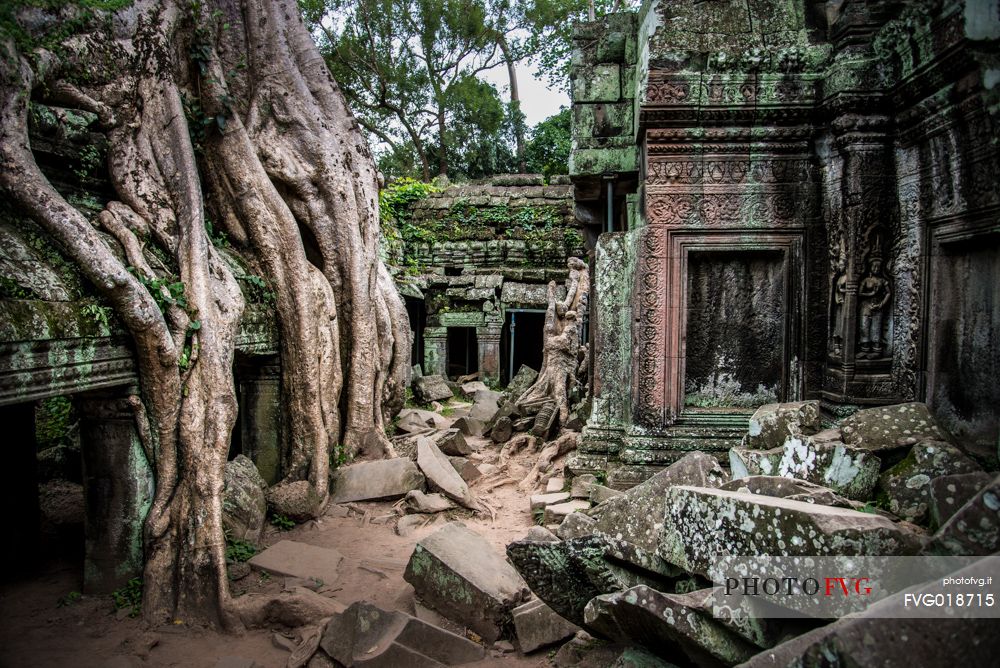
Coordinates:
column 621, row 577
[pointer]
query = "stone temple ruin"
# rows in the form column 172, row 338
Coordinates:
column 762, row 306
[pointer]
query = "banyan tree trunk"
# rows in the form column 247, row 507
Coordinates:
column 225, row 105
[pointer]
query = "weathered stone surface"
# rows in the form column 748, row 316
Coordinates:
column 567, row 574
column 600, row 494
column 380, row 479
column 666, row 623
column 519, row 384
column 581, row 486
column 637, row 515
column 431, row 388
column 459, row 574
column 297, row 500
column 787, row 488
column 554, row 485
column 891, row 427
column 485, row 404
column 771, row 424
column 502, row 430
column 244, row 503
column 950, row 492
column 583, row 651
column 418, row 419
column 468, row 470
column 470, row 426
column 418, row 502
column 407, row 524
column 906, row 486
column 470, row 388
column 451, row 442
column 557, row 512
column 844, row 469
column 702, row 523
column 575, row 524
column 364, row 635
column 974, row 528
column 538, row 625
column 539, row 501
column 540, row 535
column 867, row 640
column 441, row 475
column 300, row 560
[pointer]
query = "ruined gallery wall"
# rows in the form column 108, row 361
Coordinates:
column 837, row 161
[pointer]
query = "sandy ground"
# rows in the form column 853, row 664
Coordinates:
column 37, row 630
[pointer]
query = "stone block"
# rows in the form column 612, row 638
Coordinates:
column 568, row 574
column 470, row 426
column 772, row 424
column 891, row 427
column 906, row 486
column 299, row 560
column 554, row 485
column 466, row 469
column 298, row 501
column 431, row 388
column 844, row 469
column 669, row 623
column 950, row 492
column 701, row 523
column 539, row 501
column 459, row 574
column 364, row 635
column 441, row 475
column 581, row 485
column 556, row 513
column 416, row 419
column 418, row 502
column 637, row 515
column 599, row 494
column 787, row 488
column 538, row 625
column 597, row 83
column 379, row 479
column 469, row 389
column 244, row 503
column 575, row 524
column 875, row 638
column 974, row 529
column 451, row 442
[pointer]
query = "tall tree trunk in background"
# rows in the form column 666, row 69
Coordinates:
column 442, row 142
column 226, row 101
column 515, row 102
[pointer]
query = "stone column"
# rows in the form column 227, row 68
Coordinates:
column 435, row 351
column 260, row 415
column 117, row 487
column 488, row 339
column 860, row 226
column 19, row 489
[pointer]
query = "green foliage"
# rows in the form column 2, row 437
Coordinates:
column 547, row 152
column 165, row 291
column 11, row 289
column 69, row 599
column 396, row 199
column 339, row 457
column 91, row 157
column 238, row 551
column 282, row 522
column 55, row 419
column 218, row 238
column 257, row 290
column 129, row 596
column 100, row 315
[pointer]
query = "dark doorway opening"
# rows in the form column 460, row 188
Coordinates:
column 417, row 313
column 463, row 351
column 521, row 341
column 735, row 335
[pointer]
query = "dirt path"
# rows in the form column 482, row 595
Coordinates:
column 39, row 631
